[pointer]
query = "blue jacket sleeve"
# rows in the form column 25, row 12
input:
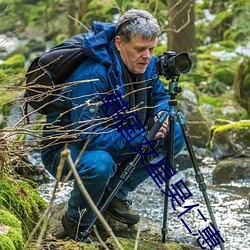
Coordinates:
column 88, row 121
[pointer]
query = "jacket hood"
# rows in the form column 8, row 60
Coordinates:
column 98, row 42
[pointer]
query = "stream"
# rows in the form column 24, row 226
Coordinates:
column 230, row 204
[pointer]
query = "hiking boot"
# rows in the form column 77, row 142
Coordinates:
column 121, row 211
column 75, row 231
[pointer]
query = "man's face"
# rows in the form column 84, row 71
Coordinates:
column 137, row 53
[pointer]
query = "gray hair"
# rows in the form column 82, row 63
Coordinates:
column 137, row 22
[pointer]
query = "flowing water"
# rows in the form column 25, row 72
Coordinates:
column 230, row 204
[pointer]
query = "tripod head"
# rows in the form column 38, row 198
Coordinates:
column 174, row 89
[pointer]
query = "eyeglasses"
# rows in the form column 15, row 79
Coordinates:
column 124, row 24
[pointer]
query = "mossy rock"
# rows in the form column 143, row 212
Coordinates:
column 232, row 139
column 11, row 237
column 22, row 200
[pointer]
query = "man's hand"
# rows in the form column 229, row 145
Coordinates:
column 164, row 128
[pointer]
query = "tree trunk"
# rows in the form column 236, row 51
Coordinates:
column 181, row 27
column 71, row 6
column 83, row 7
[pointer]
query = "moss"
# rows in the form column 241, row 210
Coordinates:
column 221, row 122
column 128, row 244
column 13, row 71
column 229, row 45
column 13, row 239
column 65, row 245
column 225, row 75
column 212, row 70
column 235, row 125
column 6, row 243
column 16, row 61
column 6, row 96
column 214, row 101
column 9, row 219
column 93, row 246
column 174, row 246
column 21, row 199
column 16, row 237
column 221, row 132
column 220, row 24
column 219, row 103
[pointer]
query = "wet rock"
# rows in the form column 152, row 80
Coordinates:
column 231, row 139
column 231, row 169
column 230, row 143
column 189, row 96
column 183, row 160
column 30, row 167
column 197, row 125
column 35, row 173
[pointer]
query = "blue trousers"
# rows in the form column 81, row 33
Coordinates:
column 98, row 171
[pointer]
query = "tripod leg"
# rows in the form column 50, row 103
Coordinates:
column 170, row 158
column 198, row 175
column 164, row 229
column 124, row 176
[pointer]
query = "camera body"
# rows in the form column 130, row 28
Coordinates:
column 171, row 65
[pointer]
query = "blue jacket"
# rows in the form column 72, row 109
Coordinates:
column 86, row 118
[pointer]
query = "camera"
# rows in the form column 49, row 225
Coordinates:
column 171, row 65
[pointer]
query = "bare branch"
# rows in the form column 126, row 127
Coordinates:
column 77, row 21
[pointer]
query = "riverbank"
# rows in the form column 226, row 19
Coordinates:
column 230, row 203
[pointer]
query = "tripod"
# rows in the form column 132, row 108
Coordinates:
column 127, row 171
column 173, row 90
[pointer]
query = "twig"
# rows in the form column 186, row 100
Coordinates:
column 99, row 238
column 77, row 21
column 66, row 154
column 137, row 236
